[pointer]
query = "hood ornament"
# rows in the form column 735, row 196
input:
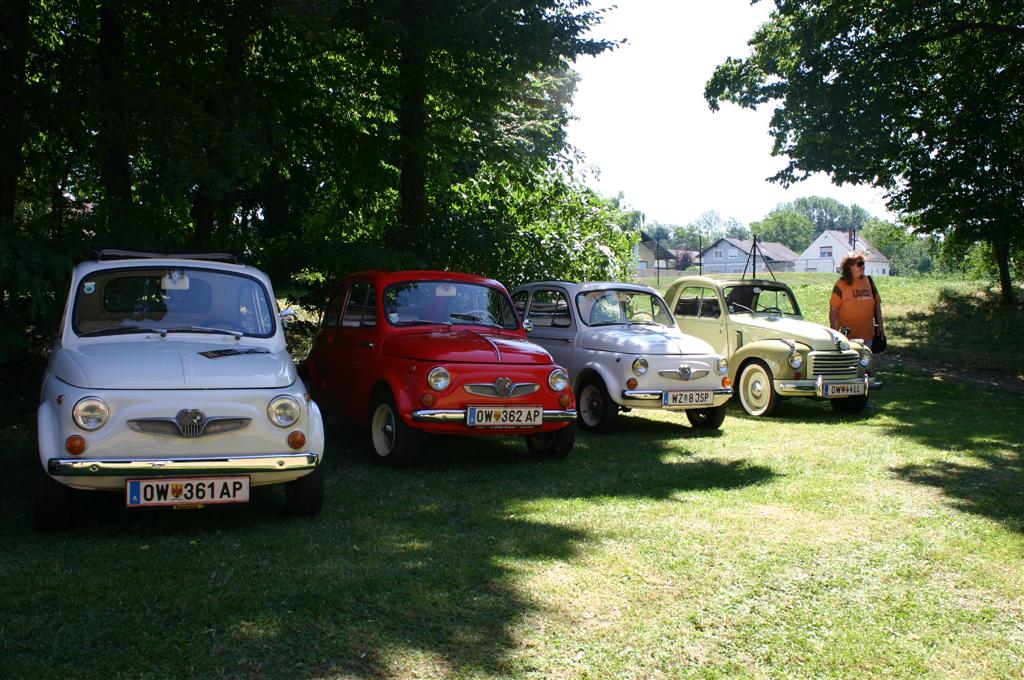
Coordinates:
column 685, row 372
column 190, row 422
column 503, row 386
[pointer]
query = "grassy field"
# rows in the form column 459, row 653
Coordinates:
column 808, row 545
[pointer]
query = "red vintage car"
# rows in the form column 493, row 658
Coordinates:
column 438, row 352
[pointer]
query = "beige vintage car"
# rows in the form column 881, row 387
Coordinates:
column 773, row 352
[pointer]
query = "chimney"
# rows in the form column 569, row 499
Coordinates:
column 852, row 236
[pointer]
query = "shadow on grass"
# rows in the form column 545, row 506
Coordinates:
column 416, row 568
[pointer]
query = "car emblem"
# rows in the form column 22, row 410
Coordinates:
column 685, row 372
column 191, row 423
column 503, row 386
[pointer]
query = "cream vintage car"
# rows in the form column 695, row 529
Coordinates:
column 623, row 351
column 773, row 352
column 170, row 384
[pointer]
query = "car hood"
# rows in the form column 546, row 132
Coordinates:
column 762, row 327
column 172, row 365
column 642, row 340
column 464, row 346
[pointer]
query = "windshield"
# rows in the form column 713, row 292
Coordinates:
column 186, row 300
column 448, row 302
column 750, row 299
column 614, row 306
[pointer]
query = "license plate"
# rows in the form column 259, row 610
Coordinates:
column 702, row 398
column 505, row 416
column 140, row 493
column 844, row 390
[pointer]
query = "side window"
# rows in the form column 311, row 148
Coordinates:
column 332, row 315
column 358, row 300
column 550, row 308
column 370, row 309
column 689, row 302
column 519, row 302
column 709, row 307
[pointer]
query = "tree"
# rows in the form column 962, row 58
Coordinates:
column 921, row 99
column 908, row 253
column 785, row 226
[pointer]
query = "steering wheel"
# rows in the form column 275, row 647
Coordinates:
column 641, row 317
column 224, row 325
column 772, row 310
column 474, row 315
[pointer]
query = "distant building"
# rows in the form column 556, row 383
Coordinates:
column 826, row 252
column 650, row 254
column 731, row 255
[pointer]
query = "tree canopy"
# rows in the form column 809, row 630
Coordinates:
column 921, row 99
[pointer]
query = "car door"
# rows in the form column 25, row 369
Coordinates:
column 356, row 350
column 554, row 327
column 698, row 312
column 322, row 356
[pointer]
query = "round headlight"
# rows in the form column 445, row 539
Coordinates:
column 90, row 413
column 283, row 411
column 640, row 366
column 558, row 379
column 439, row 378
column 865, row 358
column 722, row 366
column 796, row 360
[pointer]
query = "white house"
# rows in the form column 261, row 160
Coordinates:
column 732, row 256
column 826, row 252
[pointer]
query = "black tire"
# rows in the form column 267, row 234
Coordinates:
column 392, row 442
column 304, row 496
column 850, row 404
column 53, row 503
column 710, row 418
column 757, row 391
column 595, row 410
column 552, row 445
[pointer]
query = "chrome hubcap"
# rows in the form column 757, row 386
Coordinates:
column 383, row 430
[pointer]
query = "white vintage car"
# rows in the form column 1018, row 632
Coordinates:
column 623, row 350
column 170, row 383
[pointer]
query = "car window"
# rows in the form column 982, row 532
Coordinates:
column 550, row 309
column 448, row 302
column 709, row 306
column 519, row 302
column 359, row 311
column 615, row 306
column 761, row 299
column 698, row 301
column 332, row 315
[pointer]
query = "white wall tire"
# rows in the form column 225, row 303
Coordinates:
column 757, row 391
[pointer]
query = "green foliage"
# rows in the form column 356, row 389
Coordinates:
column 785, row 226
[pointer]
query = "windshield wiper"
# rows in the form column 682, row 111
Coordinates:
column 421, row 322
column 736, row 304
column 204, row 329
column 121, row 330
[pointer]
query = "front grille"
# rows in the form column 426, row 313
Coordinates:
column 168, row 427
column 834, row 365
column 491, row 390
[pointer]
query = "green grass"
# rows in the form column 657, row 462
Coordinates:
column 808, row 545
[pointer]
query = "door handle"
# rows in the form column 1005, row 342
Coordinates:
column 369, row 345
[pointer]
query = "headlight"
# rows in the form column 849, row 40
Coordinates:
column 558, row 379
column 796, row 360
column 439, row 378
column 865, row 358
column 640, row 366
column 283, row 411
column 722, row 366
column 90, row 413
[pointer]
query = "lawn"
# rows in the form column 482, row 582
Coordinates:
column 807, row 545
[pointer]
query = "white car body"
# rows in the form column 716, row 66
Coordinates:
column 676, row 362
column 180, row 404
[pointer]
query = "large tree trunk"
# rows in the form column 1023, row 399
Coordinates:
column 412, row 124
column 115, row 167
column 204, row 209
column 13, row 40
column 1002, row 253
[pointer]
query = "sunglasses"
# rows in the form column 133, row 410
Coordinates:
column 858, row 263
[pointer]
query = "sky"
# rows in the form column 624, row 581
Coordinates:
column 646, row 131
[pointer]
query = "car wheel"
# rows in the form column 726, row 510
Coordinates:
column 850, row 404
column 392, row 442
column 553, row 445
column 595, row 410
column 757, row 393
column 707, row 418
column 53, row 510
column 304, row 496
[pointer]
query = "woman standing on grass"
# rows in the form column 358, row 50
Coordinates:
column 855, row 304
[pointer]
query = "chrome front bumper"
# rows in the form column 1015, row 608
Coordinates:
column 459, row 416
column 816, row 388
column 163, row 467
column 659, row 395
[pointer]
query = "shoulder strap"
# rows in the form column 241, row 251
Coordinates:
column 874, row 291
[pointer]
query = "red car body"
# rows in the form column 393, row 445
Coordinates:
column 384, row 333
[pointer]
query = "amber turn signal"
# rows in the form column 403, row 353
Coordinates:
column 428, row 400
column 631, row 383
column 296, row 439
column 564, row 400
column 75, row 445
column 726, row 382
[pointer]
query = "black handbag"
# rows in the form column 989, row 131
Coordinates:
column 878, row 342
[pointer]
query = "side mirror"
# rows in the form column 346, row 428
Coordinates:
column 288, row 316
column 527, row 325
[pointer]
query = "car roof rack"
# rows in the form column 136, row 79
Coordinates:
column 114, row 254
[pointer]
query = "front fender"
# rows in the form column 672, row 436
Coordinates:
column 612, row 383
column 775, row 353
column 48, row 433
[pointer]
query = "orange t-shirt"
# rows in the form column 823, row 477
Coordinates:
column 856, row 306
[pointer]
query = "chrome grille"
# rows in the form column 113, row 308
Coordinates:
column 833, row 365
column 491, row 390
column 169, row 427
column 684, row 373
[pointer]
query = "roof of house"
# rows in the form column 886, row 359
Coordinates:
column 871, row 253
column 662, row 253
column 776, row 252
